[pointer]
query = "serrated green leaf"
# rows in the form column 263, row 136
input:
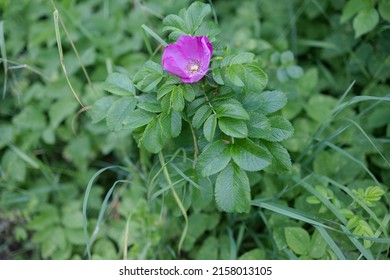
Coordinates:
column 174, row 23
column 209, row 127
column 214, row 158
column 148, row 102
column 298, row 240
column 281, row 161
column 231, row 109
column 249, row 156
column 163, row 90
column 233, row 127
column 174, row 35
column 148, row 78
column 194, row 15
column 365, row 21
column 119, row 111
column 153, row 67
column 177, row 99
column 234, row 73
column 271, row 101
column 258, row 125
column 255, row 78
column 189, row 93
column 209, row 29
column 152, row 139
column 232, row 190
column 165, row 103
column 119, row 84
column 175, row 124
column 217, row 76
column 100, row 108
column 137, row 118
column 150, row 82
column 195, row 105
column 373, row 193
column 170, row 124
column 201, row 115
column 251, row 101
column 281, row 129
column 242, row 58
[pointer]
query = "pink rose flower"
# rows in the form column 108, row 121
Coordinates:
column 189, row 58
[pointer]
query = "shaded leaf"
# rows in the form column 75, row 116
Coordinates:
column 201, row 115
column 137, row 118
column 232, row 109
column 100, row 108
column 232, row 127
column 209, row 127
column 298, row 240
column 249, row 156
column 120, row 110
column 214, row 158
column 365, row 21
column 119, row 84
column 152, row 139
column 232, row 191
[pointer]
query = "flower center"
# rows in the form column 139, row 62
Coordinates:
column 194, row 67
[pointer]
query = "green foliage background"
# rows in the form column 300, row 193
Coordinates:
column 330, row 57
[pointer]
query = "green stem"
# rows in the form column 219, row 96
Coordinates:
column 178, row 201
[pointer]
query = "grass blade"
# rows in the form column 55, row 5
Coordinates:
column 348, row 155
column 147, row 42
column 324, row 200
column 85, row 202
column 61, row 53
column 24, row 156
column 177, row 199
column 4, row 57
column 333, row 246
column 103, row 210
column 154, row 35
column 365, row 252
column 288, row 212
column 232, row 242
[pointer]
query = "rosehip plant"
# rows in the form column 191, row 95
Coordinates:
column 206, row 101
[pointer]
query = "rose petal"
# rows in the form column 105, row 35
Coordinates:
column 187, row 49
column 173, row 61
